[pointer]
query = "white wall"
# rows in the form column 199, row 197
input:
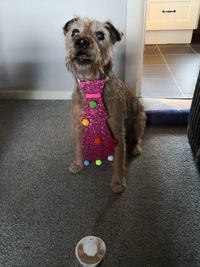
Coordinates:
column 32, row 44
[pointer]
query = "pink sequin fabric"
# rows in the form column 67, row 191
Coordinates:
column 98, row 142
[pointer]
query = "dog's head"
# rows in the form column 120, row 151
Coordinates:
column 89, row 47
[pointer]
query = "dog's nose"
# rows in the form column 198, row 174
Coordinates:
column 82, row 43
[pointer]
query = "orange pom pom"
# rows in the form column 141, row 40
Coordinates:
column 98, row 140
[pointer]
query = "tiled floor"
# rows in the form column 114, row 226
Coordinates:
column 170, row 71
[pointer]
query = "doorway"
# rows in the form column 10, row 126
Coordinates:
column 170, row 69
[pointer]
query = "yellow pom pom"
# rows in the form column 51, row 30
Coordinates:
column 85, row 122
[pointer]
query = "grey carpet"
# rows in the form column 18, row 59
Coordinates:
column 45, row 210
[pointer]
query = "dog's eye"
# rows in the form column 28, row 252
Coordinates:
column 74, row 32
column 100, row 35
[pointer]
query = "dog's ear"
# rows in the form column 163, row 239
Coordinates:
column 115, row 35
column 68, row 24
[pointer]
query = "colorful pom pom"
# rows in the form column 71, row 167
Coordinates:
column 98, row 140
column 113, row 144
column 86, row 163
column 110, row 158
column 98, row 162
column 93, row 104
column 85, row 122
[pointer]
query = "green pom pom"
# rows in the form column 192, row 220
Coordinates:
column 98, row 162
column 93, row 104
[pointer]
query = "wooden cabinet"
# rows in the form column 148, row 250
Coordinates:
column 172, row 14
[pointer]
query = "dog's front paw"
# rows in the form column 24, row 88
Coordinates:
column 136, row 151
column 118, row 187
column 75, row 168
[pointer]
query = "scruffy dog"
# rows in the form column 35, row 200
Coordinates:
column 89, row 46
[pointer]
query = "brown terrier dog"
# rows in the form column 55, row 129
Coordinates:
column 89, row 47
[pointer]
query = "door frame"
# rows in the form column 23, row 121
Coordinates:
column 135, row 40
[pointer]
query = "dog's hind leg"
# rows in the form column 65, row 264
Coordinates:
column 134, row 132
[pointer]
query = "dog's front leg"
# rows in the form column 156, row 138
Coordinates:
column 77, row 165
column 118, row 182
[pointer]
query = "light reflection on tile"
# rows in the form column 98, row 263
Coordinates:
column 160, row 88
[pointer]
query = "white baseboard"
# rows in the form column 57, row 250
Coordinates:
column 35, row 95
column 168, row 37
column 165, row 104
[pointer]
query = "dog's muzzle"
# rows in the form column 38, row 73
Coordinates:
column 82, row 55
column 82, row 43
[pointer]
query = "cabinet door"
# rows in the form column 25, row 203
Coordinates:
column 172, row 14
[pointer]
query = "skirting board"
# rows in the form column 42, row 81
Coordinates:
column 168, row 37
column 165, row 104
column 35, row 95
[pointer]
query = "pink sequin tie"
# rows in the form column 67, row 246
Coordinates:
column 98, row 142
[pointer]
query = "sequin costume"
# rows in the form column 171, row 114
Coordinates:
column 98, row 142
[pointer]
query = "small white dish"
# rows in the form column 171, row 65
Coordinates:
column 90, row 251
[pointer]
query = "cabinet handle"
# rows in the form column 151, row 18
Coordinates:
column 169, row 11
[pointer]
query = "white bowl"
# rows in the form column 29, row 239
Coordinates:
column 90, row 251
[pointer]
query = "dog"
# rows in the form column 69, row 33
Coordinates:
column 89, row 45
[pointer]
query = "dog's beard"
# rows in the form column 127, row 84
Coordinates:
column 79, row 59
column 88, row 64
column 84, row 65
column 82, row 58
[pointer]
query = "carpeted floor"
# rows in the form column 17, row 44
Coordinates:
column 45, row 210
